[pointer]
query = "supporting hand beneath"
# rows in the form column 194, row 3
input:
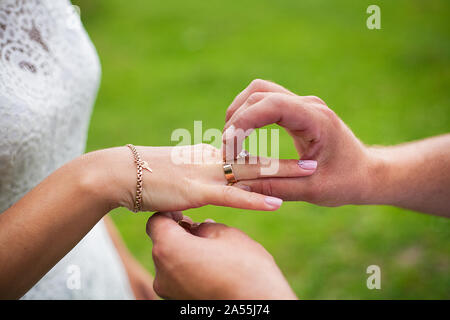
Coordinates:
column 211, row 261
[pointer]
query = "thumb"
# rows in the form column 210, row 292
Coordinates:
column 209, row 230
column 229, row 196
column 161, row 226
column 289, row 189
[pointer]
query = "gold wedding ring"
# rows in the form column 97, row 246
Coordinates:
column 229, row 175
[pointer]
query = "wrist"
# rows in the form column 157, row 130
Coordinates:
column 379, row 177
column 110, row 175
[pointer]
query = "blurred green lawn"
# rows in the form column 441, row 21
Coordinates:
column 168, row 63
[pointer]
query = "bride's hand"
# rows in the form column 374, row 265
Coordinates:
column 186, row 177
column 71, row 200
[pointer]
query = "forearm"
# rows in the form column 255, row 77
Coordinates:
column 50, row 220
column 414, row 176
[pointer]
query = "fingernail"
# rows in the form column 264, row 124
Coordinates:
column 273, row 202
column 210, row 220
column 308, row 164
column 229, row 133
column 184, row 224
column 244, row 187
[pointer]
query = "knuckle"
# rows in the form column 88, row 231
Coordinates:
column 200, row 198
column 329, row 113
column 316, row 99
column 208, row 148
column 330, row 116
column 275, row 98
column 254, row 97
column 228, row 192
column 205, row 150
column 258, row 84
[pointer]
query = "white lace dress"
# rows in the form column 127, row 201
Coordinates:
column 49, row 76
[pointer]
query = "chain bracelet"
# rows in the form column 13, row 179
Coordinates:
column 140, row 166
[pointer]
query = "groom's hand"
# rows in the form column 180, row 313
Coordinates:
column 345, row 168
column 211, row 261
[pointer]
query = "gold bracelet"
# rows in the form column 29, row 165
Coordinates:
column 141, row 165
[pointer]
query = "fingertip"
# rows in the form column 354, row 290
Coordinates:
column 161, row 225
column 308, row 165
column 273, row 203
column 295, row 168
column 154, row 217
column 177, row 215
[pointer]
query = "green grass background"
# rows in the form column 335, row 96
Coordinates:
column 168, row 63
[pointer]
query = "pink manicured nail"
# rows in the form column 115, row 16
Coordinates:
column 210, row 221
column 273, row 202
column 308, row 164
